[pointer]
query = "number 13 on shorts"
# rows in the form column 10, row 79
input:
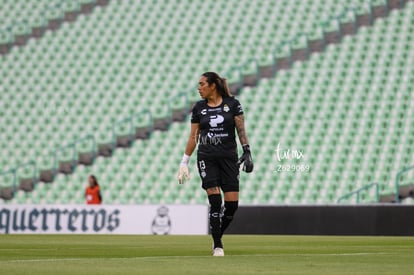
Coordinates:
column 202, row 165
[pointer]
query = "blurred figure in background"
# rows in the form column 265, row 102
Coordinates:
column 93, row 192
column 161, row 224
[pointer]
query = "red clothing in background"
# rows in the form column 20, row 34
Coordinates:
column 93, row 195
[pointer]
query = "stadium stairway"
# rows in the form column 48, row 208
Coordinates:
column 288, row 53
column 49, row 18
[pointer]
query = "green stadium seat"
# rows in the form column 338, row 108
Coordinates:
column 101, row 69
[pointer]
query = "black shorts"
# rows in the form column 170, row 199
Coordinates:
column 219, row 172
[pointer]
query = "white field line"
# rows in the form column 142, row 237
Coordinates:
column 189, row 257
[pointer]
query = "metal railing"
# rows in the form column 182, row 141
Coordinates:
column 247, row 65
column 231, row 71
column 14, row 173
column 130, row 120
column 74, row 147
column 398, row 180
column 51, row 12
column 279, row 48
column 358, row 191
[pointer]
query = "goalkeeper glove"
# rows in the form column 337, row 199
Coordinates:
column 246, row 159
column 183, row 173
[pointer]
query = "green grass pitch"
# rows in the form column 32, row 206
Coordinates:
column 115, row 254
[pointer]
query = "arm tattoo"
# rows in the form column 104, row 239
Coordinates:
column 241, row 131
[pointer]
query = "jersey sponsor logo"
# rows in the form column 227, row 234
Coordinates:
column 218, row 109
column 240, row 108
column 215, row 120
column 211, row 139
column 204, row 111
column 226, row 108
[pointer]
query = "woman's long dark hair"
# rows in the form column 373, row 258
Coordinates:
column 221, row 83
column 95, row 181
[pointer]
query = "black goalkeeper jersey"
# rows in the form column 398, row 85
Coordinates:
column 217, row 128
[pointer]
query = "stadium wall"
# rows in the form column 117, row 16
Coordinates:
column 385, row 220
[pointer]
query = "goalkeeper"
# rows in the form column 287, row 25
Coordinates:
column 214, row 120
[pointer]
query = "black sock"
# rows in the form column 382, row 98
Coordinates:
column 215, row 226
column 230, row 208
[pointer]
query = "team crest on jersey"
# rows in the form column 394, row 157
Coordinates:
column 226, row 108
